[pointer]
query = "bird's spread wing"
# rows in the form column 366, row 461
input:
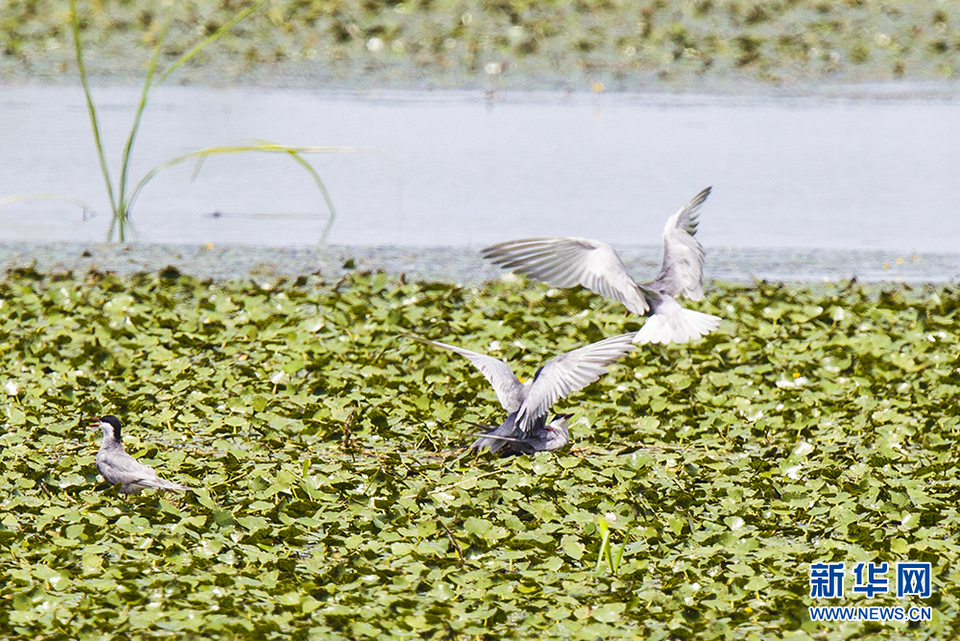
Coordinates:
column 682, row 269
column 566, row 262
column 509, row 390
column 568, row 373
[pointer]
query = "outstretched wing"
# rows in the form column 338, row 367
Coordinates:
column 682, row 270
column 567, row 373
column 566, row 262
column 509, row 390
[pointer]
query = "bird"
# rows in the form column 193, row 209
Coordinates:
column 567, row 262
column 526, row 430
column 116, row 466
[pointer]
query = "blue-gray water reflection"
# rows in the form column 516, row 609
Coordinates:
column 857, row 174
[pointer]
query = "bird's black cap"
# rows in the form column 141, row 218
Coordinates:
column 114, row 422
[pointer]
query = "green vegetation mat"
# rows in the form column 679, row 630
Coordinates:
column 521, row 43
column 817, row 425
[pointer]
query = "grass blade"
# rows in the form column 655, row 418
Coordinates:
column 182, row 60
column 261, row 146
column 91, row 109
column 323, row 190
column 604, row 551
column 128, row 147
column 87, row 210
column 623, row 546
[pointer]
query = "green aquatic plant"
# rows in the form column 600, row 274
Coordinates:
column 547, row 45
column 121, row 196
column 608, row 551
column 818, row 424
column 259, row 146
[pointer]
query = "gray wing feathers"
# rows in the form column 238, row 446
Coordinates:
column 568, row 373
column 119, row 467
column 566, row 262
column 509, row 390
column 682, row 270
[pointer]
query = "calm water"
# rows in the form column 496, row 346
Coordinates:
column 465, row 170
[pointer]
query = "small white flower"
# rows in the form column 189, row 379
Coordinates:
column 799, row 381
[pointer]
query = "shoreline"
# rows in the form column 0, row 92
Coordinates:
column 524, row 89
column 463, row 264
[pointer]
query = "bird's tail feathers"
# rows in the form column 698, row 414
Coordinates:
column 497, row 437
column 491, row 443
column 676, row 324
column 163, row 484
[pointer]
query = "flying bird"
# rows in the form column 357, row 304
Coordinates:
column 567, row 262
column 526, row 430
column 116, row 466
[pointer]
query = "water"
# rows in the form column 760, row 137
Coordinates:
column 462, row 169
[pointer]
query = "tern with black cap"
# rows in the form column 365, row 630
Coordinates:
column 526, row 430
column 118, row 467
column 567, row 262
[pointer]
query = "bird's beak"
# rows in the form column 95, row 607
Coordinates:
column 95, row 422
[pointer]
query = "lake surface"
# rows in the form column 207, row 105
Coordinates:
column 470, row 169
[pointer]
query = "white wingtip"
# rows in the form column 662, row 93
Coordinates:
column 677, row 325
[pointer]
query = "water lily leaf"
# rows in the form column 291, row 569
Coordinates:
column 608, row 612
column 572, row 546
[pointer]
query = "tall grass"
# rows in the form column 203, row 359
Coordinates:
column 121, row 196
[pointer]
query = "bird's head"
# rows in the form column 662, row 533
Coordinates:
column 560, row 423
column 558, row 434
column 110, row 425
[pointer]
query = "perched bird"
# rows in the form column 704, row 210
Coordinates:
column 526, row 429
column 566, row 262
column 116, row 466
